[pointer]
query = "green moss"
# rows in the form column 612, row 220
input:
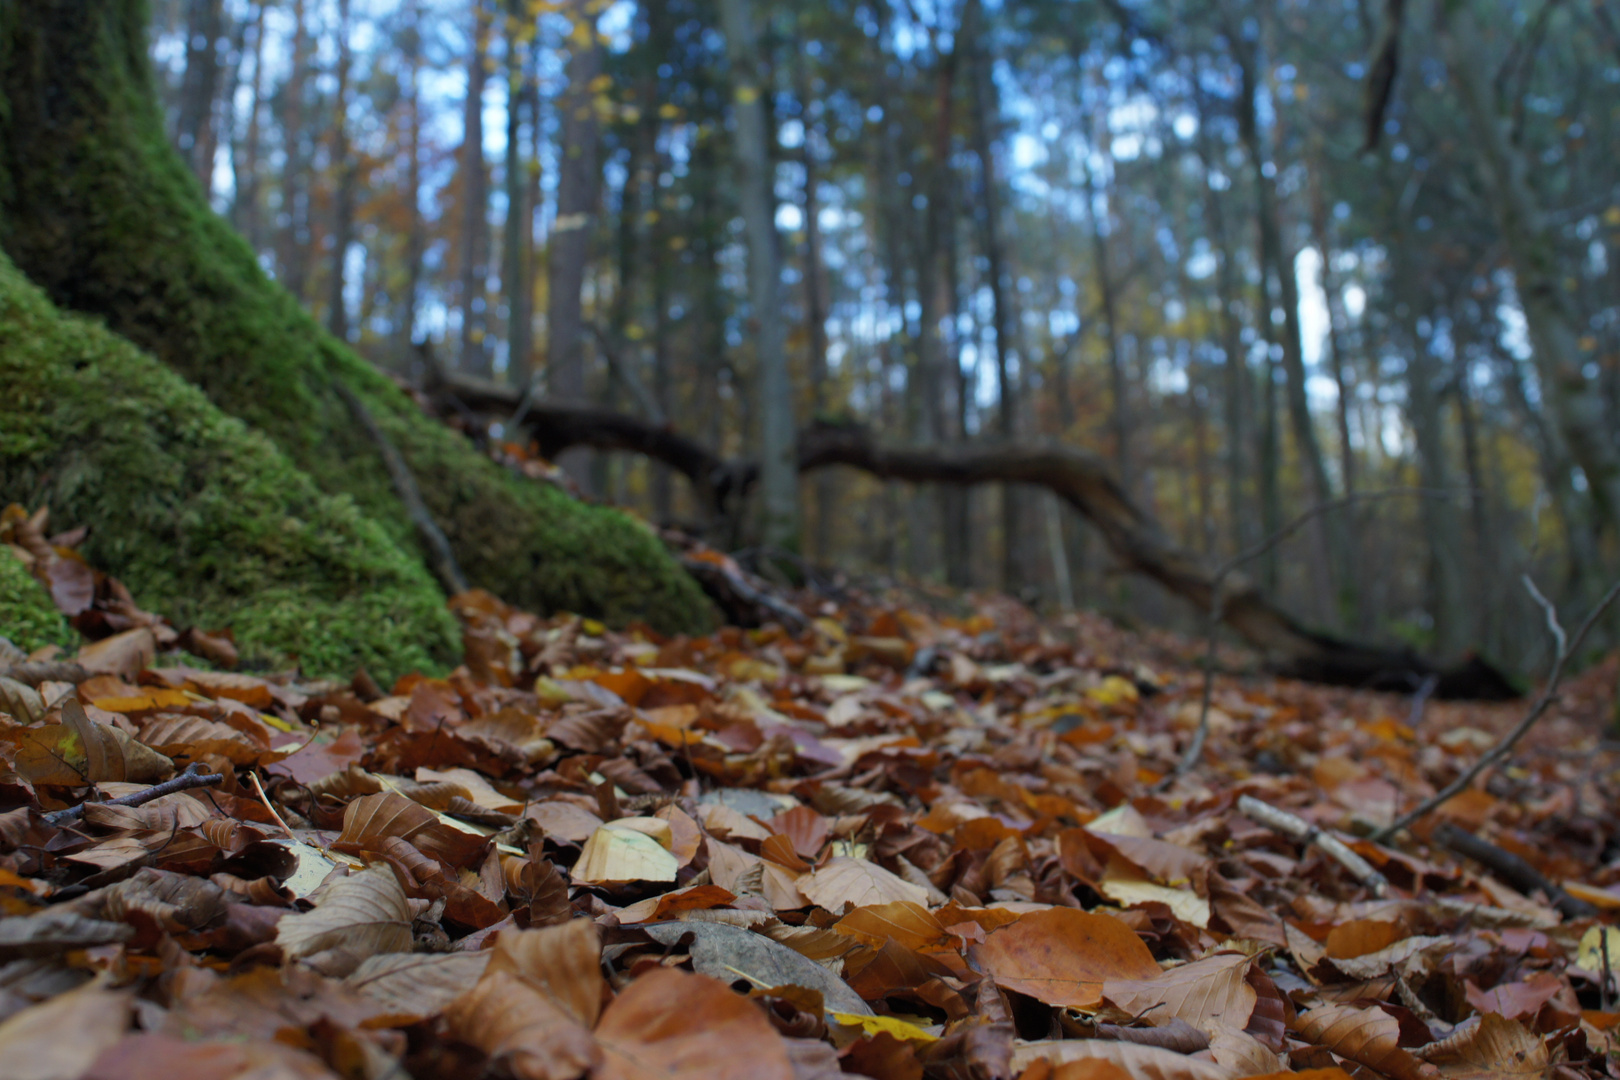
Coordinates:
column 97, row 209
column 205, row 520
column 28, row 618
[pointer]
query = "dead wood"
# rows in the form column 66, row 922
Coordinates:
column 1079, row 478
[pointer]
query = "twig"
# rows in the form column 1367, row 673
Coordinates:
column 193, row 777
column 1522, row 728
column 1305, row 833
column 1217, row 599
column 440, row 556
column 265, row 799
column 1517, row 873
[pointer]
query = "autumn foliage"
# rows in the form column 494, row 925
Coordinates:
column 892, row 844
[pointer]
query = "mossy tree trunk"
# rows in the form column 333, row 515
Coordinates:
column 100, row 213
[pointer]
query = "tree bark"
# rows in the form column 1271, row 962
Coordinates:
column 779, row 478
column 337, row 311
column 474, row 238
column 578, row 179
column 515, row 246
column 101, row 213
column 199, row 87
column 985, row 113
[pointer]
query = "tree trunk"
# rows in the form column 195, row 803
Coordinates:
column 415, row 228
column 1577, row 404
column 199, row 87
column 473, row 241
column 578, row 178
column 337, row 310
column 985, row 115
column 815, row 314
column 292, row 242
column 515, row 246
column 779, row 476
column 245, row 159
column 98, row 210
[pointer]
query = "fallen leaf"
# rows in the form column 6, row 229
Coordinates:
column 843, row 880
column 1210, row 994
column 357, row 917
column 729, row 953
column 1063, row 957
column 60, row 1038
column 669, row 1025
column 1367, row 1036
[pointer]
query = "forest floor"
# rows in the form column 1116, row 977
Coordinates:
column 893, row 843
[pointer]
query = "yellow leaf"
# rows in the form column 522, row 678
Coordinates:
column 1589, row 955
column 623, row 854
column 890, row 1025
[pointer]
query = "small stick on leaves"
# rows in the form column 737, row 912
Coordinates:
column 1306, row 833
column 1567, row 647
column 193, row 777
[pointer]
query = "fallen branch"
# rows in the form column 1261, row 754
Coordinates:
column 440, row 556
column 193, row 777
column 1511, row 869
column 1567, row 647
column 1304, row 832
column 1079, row 478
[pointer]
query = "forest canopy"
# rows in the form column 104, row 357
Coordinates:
column 1250, row 261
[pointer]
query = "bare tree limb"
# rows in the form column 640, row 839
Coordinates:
column 1502, row 749
column 440, row 556
column 1079, row 478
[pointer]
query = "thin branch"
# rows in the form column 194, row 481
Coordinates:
column 1305, row 833
column 1195, row 749
column 193, row 777
column 1522, row 728
column 440, row 556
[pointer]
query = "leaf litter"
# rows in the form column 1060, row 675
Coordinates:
column 892, row 841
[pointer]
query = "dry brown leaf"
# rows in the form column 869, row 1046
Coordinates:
column 563, row 962
column 1494, row 1047
column 669, row 1025
column 616, row 854
column 358, row 917
column 1208, row 994
column 416, row 986
column 179, row 736
column 844, row 880
column 153, row 1056
column 911, row 925
column 1138, row 1062
column 60, row 1038
column 1062, row 956
column 522, row 1029
column 1241, row 1052
column 1367, row 1036
column 122, row 654
column 80, row 751
column 55, row 931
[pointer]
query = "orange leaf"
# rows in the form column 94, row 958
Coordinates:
column 1062, row 956
column 1369, row 1037
column 1207, row 994
column 670, row 1025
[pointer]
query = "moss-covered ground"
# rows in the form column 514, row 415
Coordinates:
column 206, row 520
column 98, row 210
column 28, row 618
